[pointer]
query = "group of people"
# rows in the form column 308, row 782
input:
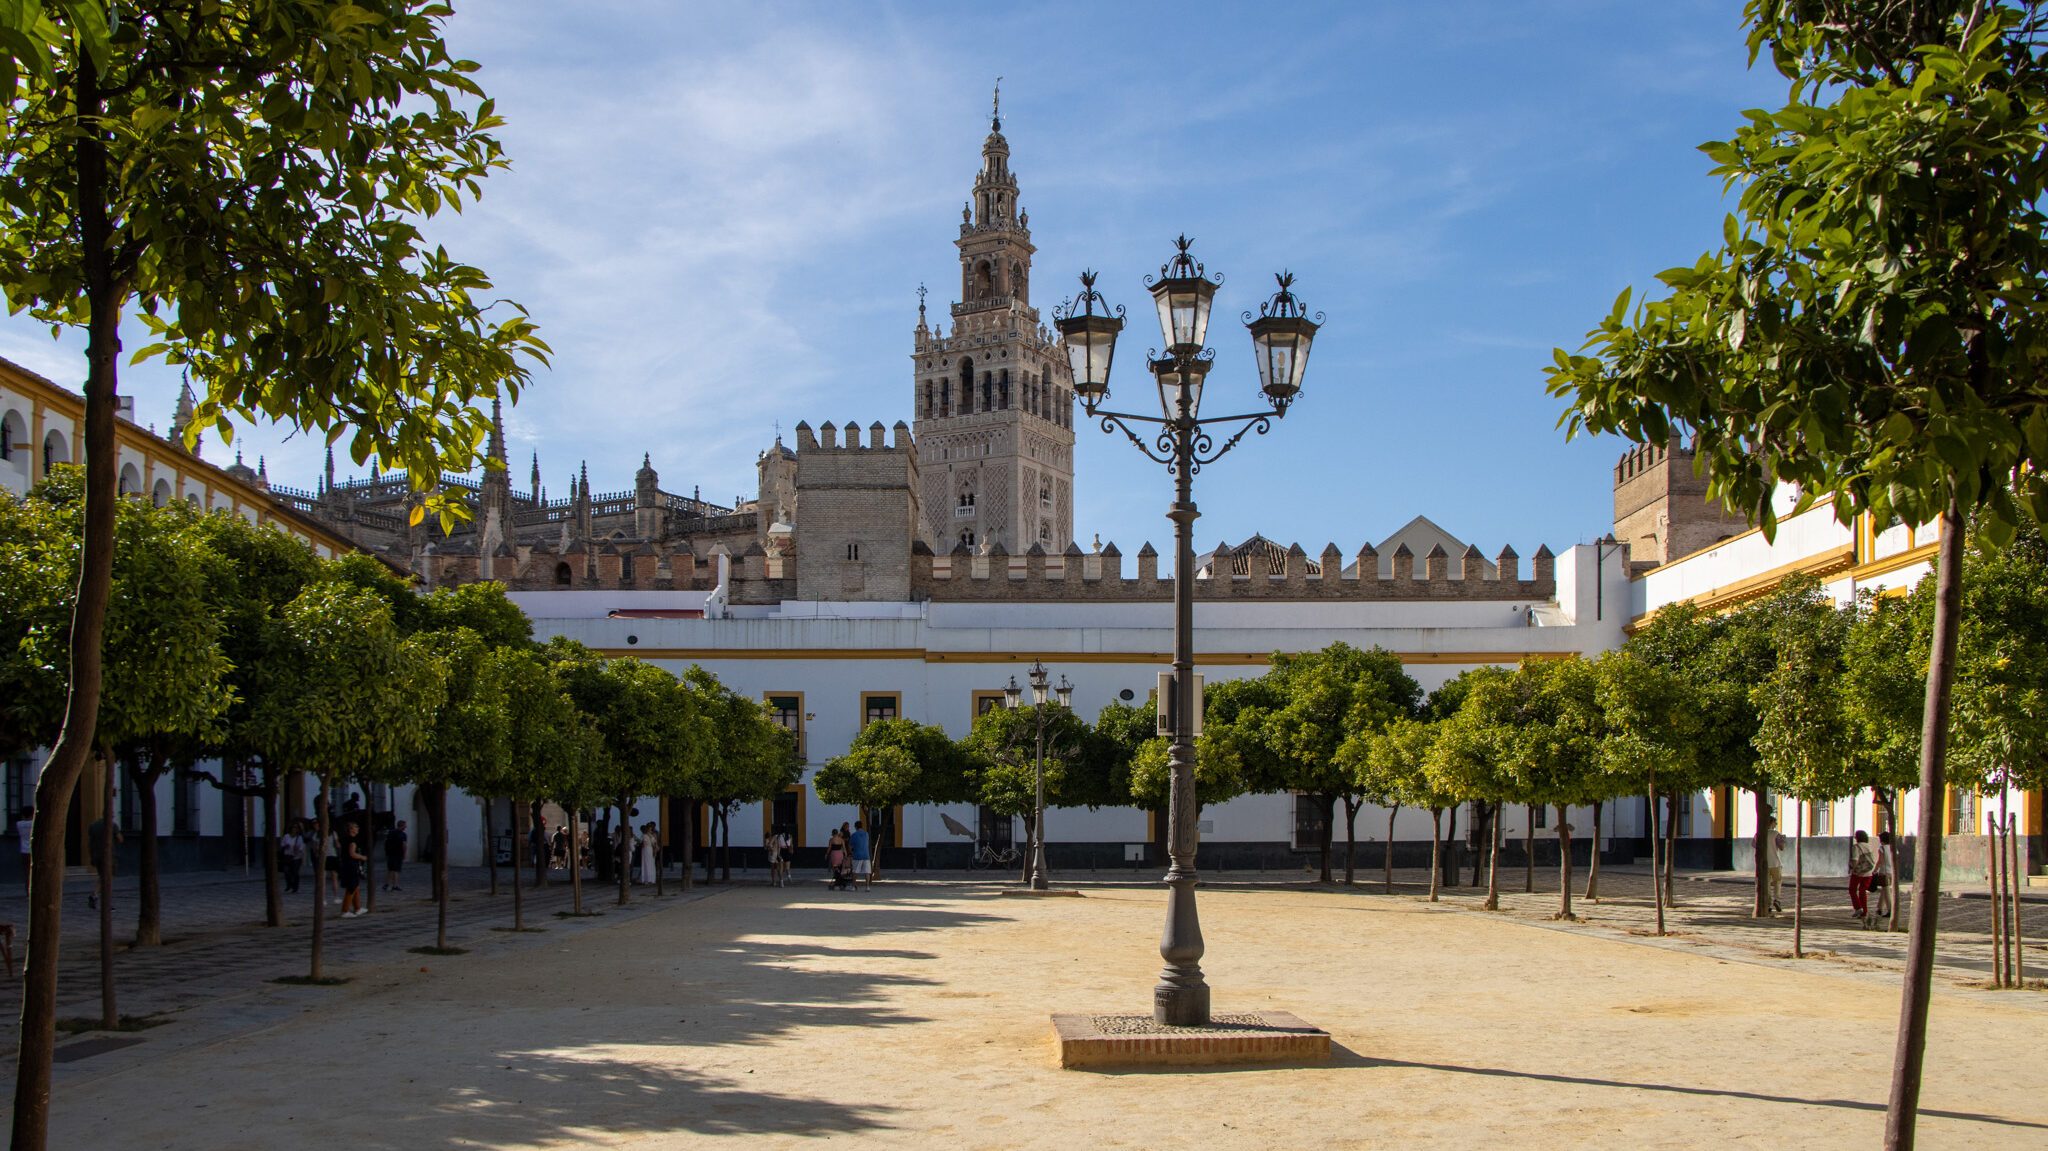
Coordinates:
column 1873, row 868
column 642, row 847
column 849, row 856
column 342, row 860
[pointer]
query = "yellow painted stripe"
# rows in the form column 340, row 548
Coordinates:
column 700, row 655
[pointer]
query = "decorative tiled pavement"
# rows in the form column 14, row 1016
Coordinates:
column 1102, row 1041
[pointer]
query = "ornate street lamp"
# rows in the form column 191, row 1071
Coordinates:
column 1040, row 679
column 1281, row 336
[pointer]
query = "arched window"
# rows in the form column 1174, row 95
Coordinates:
column 967, row 536
column 131, row 480
column 966, row 382
column 55, row 451
column 563, row 576
column 13, row 432
column 853, row 553
column 1017, row 275
column 984, row 281
column 161, row 494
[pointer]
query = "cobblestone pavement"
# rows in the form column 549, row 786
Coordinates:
column 1714, row 911
column 216, row 945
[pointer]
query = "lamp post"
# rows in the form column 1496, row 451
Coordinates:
column 1040, row 679
column 1281, row 336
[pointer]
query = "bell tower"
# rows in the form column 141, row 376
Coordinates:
column 994, row 397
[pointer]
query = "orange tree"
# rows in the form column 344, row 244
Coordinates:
column 1872, row 330
column 245, row 178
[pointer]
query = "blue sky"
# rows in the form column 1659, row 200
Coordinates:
column 720, row 215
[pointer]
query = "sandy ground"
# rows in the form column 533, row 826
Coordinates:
column 916, row 1015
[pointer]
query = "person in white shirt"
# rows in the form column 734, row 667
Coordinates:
column 23, row 828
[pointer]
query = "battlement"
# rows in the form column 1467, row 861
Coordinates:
column 1078, row 576
column 826, row 438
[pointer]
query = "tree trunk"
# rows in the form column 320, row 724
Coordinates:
column 576, row 861
column 1656, row 874
column 1351, row 805
column 110, row 1017
column 1799, row 886
column 1763, row 883
column 1529, row 848
column 1493, row 837
column 273, row 889
column 149, row 923
column 1325, row 833
column 491, row 843
column 1564, row 863
column 518, row 841
column 1902, row 1109
column 654, row 849
column 1593, row 871
column 54, row 788
column 439, row 810
column 324, row 825
column 710, row 818
column 1388, row 859
column 1436, row 848
column 1449, row 864
column 1030, row 837
column 1482, row 832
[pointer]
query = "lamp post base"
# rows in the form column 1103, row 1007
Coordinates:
column 1181, row 1000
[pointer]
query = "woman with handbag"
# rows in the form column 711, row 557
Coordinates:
column 1862, row 866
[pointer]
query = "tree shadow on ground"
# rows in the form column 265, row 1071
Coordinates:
column 1342, row 1057
column 666, row 1048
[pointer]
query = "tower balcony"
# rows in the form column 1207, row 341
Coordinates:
column 985, row 304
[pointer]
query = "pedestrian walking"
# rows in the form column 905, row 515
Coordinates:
column 835, row 859
column 650, row 853
column 291, row 853
column 330, row 854
column 558, row 847
column 1862, row 865
column 96, row 846
column 1773, row 865
column 860, row 847
column 351, row 876
column 394, row 855
column 24, row 829
column 1884, row 880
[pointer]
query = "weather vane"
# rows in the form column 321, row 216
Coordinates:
column 997, row 114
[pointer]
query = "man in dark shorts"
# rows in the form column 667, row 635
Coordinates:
column 394, row 856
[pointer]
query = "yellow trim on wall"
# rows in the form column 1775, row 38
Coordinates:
column 1214, row 659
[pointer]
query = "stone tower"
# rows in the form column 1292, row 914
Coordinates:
column 994, row 398
column 1661, row 509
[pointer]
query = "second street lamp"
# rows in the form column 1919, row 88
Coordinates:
column 1281, row 337
column 1039, row 678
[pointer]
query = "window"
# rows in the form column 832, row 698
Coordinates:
column 8, row 435
column 967, row 537
column 184, row 802
column 1045, row 531
column 1045, row 496
column 987, row 701
column 852, row 553
column 786, row 708
column 879, row 705
column 1542, row 816
column 563, row 576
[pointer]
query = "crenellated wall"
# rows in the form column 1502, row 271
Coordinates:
column 965, row 576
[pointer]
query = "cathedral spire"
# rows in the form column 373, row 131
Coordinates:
column 497, row 443
column 534, row 489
